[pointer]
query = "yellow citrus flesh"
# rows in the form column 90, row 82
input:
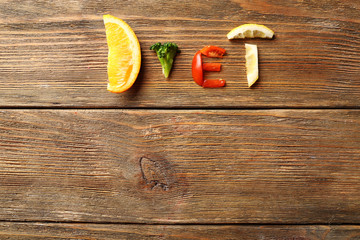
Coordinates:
column 124, row 57
column 250, row 31
column 252, row 69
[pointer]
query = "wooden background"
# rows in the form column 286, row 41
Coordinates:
column 168, row 159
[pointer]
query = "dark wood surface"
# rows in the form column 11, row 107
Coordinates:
column 168, row 159
column 163, row 166
column 55, row 54
column 36, row 231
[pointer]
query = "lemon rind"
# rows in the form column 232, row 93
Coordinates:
column 238, row 32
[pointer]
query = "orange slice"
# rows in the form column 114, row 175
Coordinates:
column 124, row 57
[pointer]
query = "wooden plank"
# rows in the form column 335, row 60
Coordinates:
column 30, row 231
column 160, row 166
column 54, row 53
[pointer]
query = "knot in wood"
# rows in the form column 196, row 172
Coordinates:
column 153, row 174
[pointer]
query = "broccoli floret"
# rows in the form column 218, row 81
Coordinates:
column 166, row 54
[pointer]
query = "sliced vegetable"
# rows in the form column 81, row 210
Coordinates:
column 197, row 70
column 213, row 83
column 212, row 67
column 213, row 51
column 252, row 69
column 166, row 54
column 198, row 67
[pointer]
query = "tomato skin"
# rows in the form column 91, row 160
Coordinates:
column 212, row 67
column 213, row 51
column 198, row 67
column 197, row 70
column 213, row 83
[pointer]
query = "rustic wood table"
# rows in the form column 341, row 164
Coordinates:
column 168, row 159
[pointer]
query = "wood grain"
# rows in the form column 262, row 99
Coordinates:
column 162, row 166
column 222, row 174
column 31, row 231
column 53, row 54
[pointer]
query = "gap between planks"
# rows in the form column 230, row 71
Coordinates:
column 178, row 224
column 177, row 108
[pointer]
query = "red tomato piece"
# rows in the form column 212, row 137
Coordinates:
column 213, row 51
column 212, row 67
column 197, row 70
column 213, row 83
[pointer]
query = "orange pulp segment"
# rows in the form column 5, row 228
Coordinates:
column 124, row 57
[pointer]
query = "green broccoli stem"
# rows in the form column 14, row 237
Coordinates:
column 166, row 64
column 166, row 54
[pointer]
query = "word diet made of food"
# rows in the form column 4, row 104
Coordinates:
column 124, row 57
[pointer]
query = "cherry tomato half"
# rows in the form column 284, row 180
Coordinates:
column 197, row 70
column 213, row 51
column 212, row 67
column 213, row 83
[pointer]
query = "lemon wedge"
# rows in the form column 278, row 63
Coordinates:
column 252, row 69
column 250, row 31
